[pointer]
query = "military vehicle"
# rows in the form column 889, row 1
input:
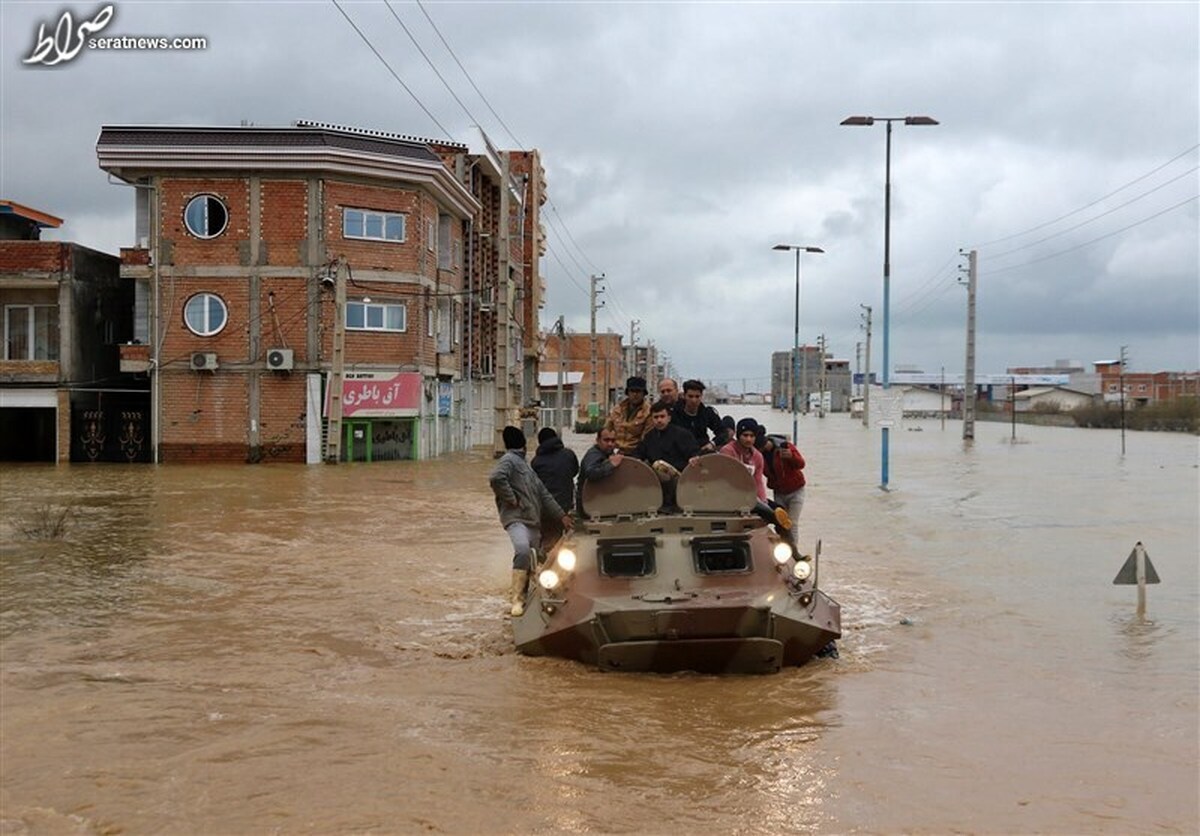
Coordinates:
column 705, row 585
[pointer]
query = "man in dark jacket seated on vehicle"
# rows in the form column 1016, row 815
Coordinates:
column 667, row 448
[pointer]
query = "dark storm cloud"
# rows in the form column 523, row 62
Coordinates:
column 682, row 141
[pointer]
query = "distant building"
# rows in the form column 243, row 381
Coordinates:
column 62, row 394
column 1144, row 388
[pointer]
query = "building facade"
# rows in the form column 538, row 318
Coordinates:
column 65, row 313
column 299, row 291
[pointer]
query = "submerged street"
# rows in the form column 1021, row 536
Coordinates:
column 324, row 649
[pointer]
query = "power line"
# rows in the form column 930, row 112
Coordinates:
column 428, row 61
column 1088, row 206
column 513, row 136
column 383, row 60
column 1094, row 240
column 1096, row 218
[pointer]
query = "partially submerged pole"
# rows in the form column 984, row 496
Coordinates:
column 1138, row 570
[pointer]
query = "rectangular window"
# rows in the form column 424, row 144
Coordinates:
column 374, row 316
column 372, row 226
column 444, row 331
column 717, row 556
column 430, row 236
column 627, row 558
column 445, row 251
column 31, row 332
column 429, row 322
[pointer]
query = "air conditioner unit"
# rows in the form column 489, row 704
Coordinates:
column 204, row 361
column 280, row 359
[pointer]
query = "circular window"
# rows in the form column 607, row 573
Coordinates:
column 205, row 314
column 205, row 216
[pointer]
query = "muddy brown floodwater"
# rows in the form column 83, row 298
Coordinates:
column 289, row 649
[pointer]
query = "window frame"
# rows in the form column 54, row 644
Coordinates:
column 53, row 337
column 383, row 218
column 207, row 295
column 207, row 235
column 382, row 308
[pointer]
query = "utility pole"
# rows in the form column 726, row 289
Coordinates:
column 337, row 367
column 633, row 353
column 562, row 362
column 594, row 405
column 867, row 368
column 969, row 378
column 858, row 363
column 821, row 380
column 1121, row 380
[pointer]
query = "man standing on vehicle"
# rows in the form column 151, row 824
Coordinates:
column 522, row 501
column 693, row 415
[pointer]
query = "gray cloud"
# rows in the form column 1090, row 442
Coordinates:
column 682, row 141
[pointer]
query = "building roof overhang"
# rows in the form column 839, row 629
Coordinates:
column 43, row 220
column 134, row 153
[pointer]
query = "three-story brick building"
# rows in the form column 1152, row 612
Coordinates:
column 275, row 263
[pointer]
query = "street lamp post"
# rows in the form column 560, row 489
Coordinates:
column 796, row 332
column 887, row 269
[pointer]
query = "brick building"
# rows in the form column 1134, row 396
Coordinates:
column 284, row 272
column 1144, row 388
column 65, row 310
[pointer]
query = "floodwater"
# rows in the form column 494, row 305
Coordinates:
column 289, row 649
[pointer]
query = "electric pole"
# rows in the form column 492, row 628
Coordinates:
column 1121, row 380
column 562, row 364
column 594, row 405
column 821, row 381
column 633, row 357
column 337, row 367
column 969, row 377
column 867, row 367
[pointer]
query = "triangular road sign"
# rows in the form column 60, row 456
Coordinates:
column 1128, row 573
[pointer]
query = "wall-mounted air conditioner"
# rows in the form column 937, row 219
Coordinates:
column 280, row 359
column 204, row 361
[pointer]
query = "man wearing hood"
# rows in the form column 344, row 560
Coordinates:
column 522, row 502
column 556, row 465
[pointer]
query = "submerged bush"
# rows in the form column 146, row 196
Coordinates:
column 46, row 523
column 1179, row 415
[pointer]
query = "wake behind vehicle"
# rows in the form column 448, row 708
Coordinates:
column 706, row 586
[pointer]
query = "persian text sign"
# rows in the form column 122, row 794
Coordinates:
column 380, row 394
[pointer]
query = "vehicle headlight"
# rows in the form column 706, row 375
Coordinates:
column 566, row 559
column 802, row 570
column 548, row 579
column 782, row 553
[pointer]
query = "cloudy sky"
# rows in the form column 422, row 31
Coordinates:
column 683, row 140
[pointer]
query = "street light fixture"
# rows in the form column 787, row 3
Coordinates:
column 887, row 244
column 796, row 332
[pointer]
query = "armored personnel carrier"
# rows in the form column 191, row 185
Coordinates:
column 704, row 586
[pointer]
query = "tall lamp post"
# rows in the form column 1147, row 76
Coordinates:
column 796, row 332
column 887, row 269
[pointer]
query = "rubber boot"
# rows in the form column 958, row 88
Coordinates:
column 516, row 593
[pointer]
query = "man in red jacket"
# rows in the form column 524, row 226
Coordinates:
column 784, row 469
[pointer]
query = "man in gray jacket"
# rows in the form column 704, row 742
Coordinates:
column 522, row 501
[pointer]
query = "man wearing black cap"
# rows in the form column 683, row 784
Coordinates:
column 522, row 501
column 742, row 448
column 630, row 418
